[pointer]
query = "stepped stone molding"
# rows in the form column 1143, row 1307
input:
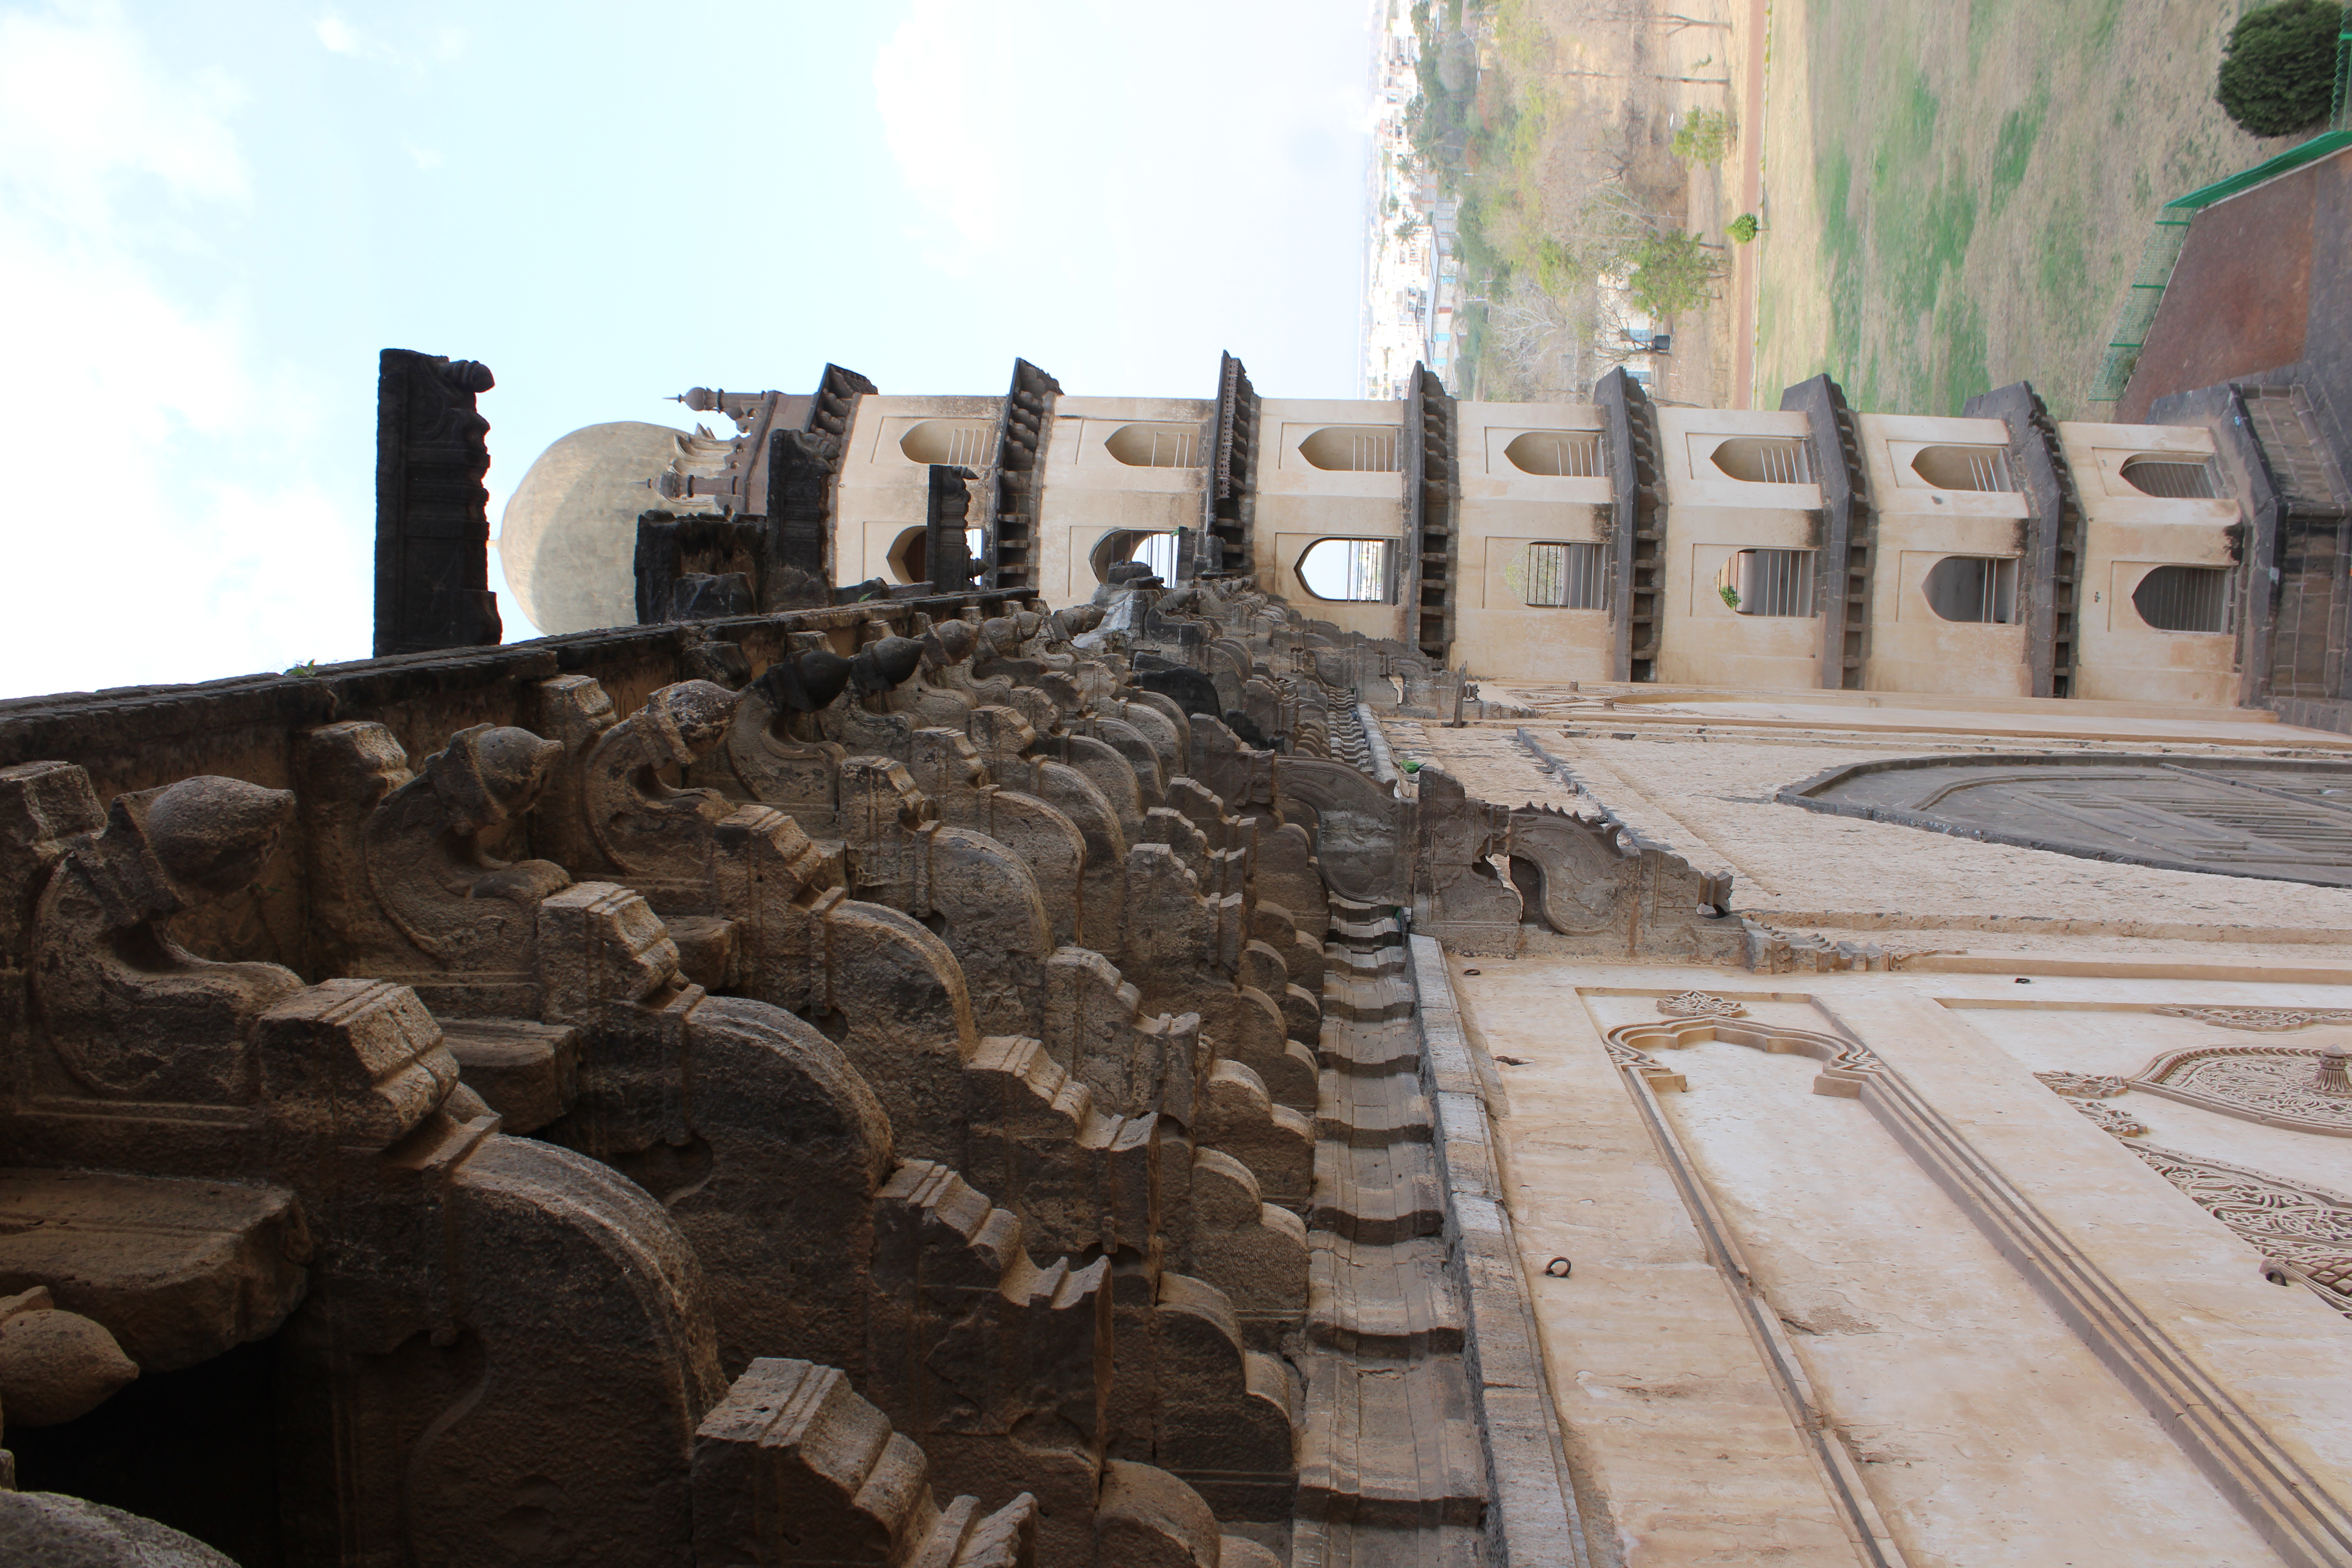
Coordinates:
column 1637, row 525
column 1844, row 560
column 2307, row 1524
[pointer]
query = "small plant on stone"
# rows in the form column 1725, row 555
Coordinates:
column 1730, row 596
column 305, row 670
column 1742, row 228
column 2278, row 70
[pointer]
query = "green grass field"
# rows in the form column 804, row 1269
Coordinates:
column 1957, row 190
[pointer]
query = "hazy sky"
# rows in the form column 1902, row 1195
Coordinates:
column 211, row 217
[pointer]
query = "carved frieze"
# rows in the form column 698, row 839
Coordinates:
column 2309, row 1229
column 2263, row 1019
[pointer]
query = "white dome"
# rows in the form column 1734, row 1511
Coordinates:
column 568, row 537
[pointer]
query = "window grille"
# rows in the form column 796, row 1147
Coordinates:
column 1768, row 582
column 1980, row 588
column 2185, row 598
column 1963, row 468
column 1560, row 454
column 1353, row 570
column 965, row 443
column 2171, row 478
column 1565, row 576
column 1352, row 449
column 1765, row 461
column 1156, row 445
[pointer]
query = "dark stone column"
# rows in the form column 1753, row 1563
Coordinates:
column 432, row 514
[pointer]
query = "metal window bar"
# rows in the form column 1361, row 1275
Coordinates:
column 1564, row 576
column 1367, row 570
column 971, row 446
column 2185, row 599
column 1175, row 449
column 1373, row 452
column 1571, row 456
column 1158, row 551
column 1777, row 462
column 2170, row 479
column 1774, row 581
column 1987, row 471
column 1996, row 591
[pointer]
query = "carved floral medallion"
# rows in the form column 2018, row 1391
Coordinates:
column 2276, row 1085
column 1699, row 1004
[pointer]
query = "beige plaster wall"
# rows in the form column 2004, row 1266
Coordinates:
column 1090, row 493
column 1299, row 503
column 1503, row 510
column 1913, row 649
column 881, row 491
column 2127, row 536
column 1703, row 640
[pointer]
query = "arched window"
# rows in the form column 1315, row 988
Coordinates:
column 1560, row 454
column 2185, row 598
column 1562, row 576
column 1972, row 588
column 908, row 558
column 1767, row 581
column 1765, row 460
column 1352, row 449
column 1155, row 446
column 1349, row 570
column 967, row 443
column 2174, row 478
column 1963, row 468
column 1157, row 550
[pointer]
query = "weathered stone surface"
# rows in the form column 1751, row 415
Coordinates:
column 177, row 1270
column 55, row 1365
column 66, row 1533
column 792, row 1466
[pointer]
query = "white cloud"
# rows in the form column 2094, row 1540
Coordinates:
column 340, row 37
column 946, row 94
column 159, row 527
column 427, row 158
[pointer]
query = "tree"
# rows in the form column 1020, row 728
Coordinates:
column 1742, row 228
column 1671, row 273
column 2278, row 70
column 1704, row 137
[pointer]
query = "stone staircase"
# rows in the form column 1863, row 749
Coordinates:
column 1393, row 1472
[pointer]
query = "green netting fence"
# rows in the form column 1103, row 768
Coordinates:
column 2157, row 258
